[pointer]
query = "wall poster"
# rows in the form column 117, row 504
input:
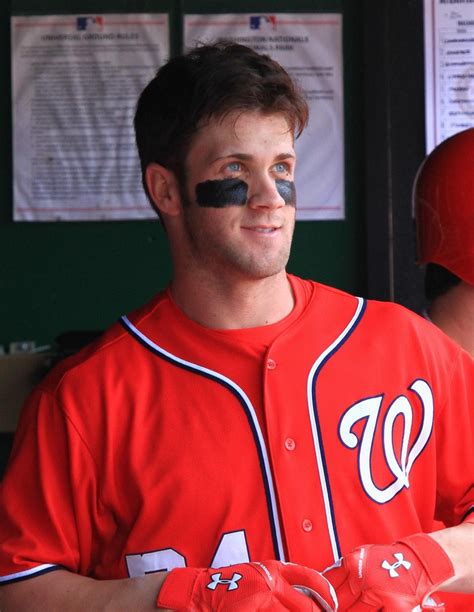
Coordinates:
column 449, row 68
column 76, row 80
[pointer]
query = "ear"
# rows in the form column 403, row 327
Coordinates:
column 163, row 189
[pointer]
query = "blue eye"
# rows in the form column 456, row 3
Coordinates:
column 234, row 166
column 280, row 168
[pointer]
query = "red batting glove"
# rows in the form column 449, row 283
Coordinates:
column 398, row 577
column 247, row 587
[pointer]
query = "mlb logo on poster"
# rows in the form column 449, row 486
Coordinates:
column 91, row 24
column 263, row 22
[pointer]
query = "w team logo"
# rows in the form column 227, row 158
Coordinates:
column 368, row 410
column 231, row 584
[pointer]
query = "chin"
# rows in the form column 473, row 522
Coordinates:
column 260, row 272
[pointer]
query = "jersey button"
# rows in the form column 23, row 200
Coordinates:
column 290, row 444
column 271, row 365
column 307, row 525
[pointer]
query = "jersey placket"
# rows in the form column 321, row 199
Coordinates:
column 296, row 447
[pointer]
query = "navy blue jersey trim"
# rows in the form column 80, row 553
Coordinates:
column 207, row 374
column 318, row 425
column 30, row 575
column 466, row 514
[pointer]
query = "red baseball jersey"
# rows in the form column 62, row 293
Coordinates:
column 166, row 444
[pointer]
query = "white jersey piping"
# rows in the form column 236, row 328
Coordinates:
column 318, row 445
column 250, row 411
column 39, row 569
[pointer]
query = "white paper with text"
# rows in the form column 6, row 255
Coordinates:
column 76, row 81
column 449, row 68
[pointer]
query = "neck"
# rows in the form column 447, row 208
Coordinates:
column 453, row 312
column 229, row 304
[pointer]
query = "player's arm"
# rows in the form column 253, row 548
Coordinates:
column 458, row 544
column 402, row 575
column 269, row 585
column 63, row 590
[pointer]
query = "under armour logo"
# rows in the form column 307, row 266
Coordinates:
column 231, row 584
column 400, row 562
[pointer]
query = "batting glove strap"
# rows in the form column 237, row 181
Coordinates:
column 271, row 585
column 176, row 591
column 435, row 561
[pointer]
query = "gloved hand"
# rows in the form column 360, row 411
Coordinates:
column 247, row 587
column 397, row 577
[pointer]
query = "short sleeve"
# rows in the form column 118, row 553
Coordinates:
column 47, row 496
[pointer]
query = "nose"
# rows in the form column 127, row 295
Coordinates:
column 263, row 193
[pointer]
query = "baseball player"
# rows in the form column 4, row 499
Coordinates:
column 443, row 196
column 220, row 447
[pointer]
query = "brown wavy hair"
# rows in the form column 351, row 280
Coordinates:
column 207, row 83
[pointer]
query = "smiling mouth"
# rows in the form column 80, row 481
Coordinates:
column 261, row 230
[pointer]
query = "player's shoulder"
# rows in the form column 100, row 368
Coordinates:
column 111, row 348
column 385, row 319
column 375, row 309
column 383, row 310
column 400, row 320
column 378, row 310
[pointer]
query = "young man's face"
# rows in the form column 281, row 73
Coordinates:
column 240, row 211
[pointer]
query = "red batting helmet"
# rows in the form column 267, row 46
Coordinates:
column 443, row 195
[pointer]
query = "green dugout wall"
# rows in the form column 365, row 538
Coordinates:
column 56, row 277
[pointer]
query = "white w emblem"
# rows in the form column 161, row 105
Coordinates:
column 369, row 409
column 400, row 562
column 231, row 584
